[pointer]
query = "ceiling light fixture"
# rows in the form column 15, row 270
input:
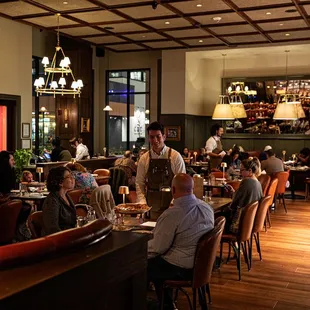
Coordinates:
column 223, row 109
column 268, row 13
column 200, row 41
column 65, row 2
column 288, row 107
column 281, row 24
column 287, row 34
column 199, row 5
column 107, row 108
column 217, row 19
column 167, row 23
column 51, row 86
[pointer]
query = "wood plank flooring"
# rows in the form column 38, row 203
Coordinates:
column 282, row 280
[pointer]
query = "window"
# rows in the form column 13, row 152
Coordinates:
column 128, row 95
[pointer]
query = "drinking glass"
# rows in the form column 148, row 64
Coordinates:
column 208, row 195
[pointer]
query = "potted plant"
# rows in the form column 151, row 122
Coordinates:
column 22, row 158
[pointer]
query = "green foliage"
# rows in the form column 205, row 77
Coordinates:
column 21, row 158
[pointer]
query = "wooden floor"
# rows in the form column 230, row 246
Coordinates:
column 281, row 280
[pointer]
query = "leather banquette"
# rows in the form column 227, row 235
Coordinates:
column 31, row 251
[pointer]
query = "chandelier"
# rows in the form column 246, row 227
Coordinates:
column 238, row 88
column 56, row 83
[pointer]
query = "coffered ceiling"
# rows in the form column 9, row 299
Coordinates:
column 129, row 25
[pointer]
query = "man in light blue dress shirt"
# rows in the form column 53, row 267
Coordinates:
column 176, row 235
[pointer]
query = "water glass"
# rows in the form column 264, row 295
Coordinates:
column 208, row 195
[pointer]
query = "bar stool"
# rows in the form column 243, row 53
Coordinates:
column 307, row 182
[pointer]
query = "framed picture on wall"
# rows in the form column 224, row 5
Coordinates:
column 173, row 133
column 25, row 130
column 85, row 124
column 26, row 144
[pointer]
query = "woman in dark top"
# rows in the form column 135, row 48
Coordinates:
column 7, row 172
column 58, row 209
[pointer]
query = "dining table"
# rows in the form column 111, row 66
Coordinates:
column 36, row 198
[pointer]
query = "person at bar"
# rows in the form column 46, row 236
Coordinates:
column 81, row 149
column 214, row 146
column 176, row 235
column 59, row 153
column 156, row 169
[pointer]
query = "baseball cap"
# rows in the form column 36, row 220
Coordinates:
column 267, row 148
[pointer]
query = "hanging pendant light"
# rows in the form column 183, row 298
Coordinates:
column 223, row 110
column 107, row 108
column 237, row 107
column 50, row 86
column 289, row 106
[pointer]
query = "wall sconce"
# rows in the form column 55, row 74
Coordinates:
column 66, row 115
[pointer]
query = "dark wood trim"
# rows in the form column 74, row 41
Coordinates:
column 301, row 10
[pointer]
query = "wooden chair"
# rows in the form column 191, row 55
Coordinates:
column 242, row 238
column 36, row 224
column 271, row 192
column 234, row 184
column 204, row 260
column 75, row 195
column 9, row 213
column 264, row 180
column 282, row 179
column 102, row 173
column 259, row 224
column 307, row 192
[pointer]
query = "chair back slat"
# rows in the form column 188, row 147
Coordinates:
column 206, row 253
column 247, row 221
column 272, row 189
column 264, row 180
column 261, row 214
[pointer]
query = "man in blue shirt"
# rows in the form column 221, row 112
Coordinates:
column 176, row 235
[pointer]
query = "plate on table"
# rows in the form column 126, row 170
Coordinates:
column 132, row 208
column 15, row 191
column 220, row 179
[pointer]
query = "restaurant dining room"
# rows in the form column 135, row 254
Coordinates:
column 155, row 154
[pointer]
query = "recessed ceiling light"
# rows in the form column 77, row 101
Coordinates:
column 143, row 36
column 217, row 18
column 65, row 2
column 200, row 41
column 287, row 34
column 167, row 23
column 199, row 5
column 281, row 24
column 268, row 13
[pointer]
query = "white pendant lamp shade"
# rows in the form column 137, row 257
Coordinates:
column 289, row 108
column 237, row 107
column 107, row 108
column 222, row 110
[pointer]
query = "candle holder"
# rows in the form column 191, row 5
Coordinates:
column 224, row 165
column 39, row 170
column 123, row 190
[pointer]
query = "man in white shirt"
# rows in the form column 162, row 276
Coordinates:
column 176, row 235
column 81, row 149
column 214, row 146
column 156, row 169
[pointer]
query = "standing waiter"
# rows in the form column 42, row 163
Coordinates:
column 156, row 169
column 214, row 146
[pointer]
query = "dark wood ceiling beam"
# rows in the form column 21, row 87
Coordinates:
column 194, row 22
column 139, row 23
column 247, row 19
column 301, row 10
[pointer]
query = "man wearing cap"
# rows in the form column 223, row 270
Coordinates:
column 272, row 164
column 263, row 155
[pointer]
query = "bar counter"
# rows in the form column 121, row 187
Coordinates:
column 89, row 164
column 108, row 275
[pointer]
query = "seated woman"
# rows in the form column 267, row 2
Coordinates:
column 250, row 190
column 186, row 155
column 304, row 156
column 202, row 156
column 233, row 163
column 27, row 177
column 58, row 209
column 83, row 180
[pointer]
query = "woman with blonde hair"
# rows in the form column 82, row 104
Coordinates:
column 83, row 180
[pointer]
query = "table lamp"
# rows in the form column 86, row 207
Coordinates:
column 223, row 165
column 39, row 170
column 124, row 190
column 195, row 154
column 283, row 153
